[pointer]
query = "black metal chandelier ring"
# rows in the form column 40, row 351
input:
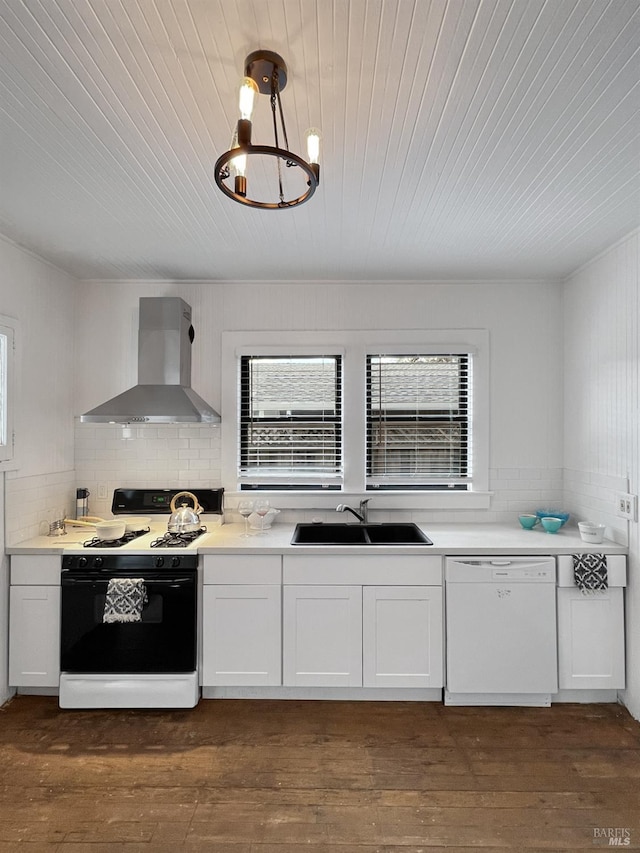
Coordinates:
column 222, row 172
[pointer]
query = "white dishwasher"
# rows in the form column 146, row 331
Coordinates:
column 501, row 631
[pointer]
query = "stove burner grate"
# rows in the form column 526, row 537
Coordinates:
column 177, row 540
column 96, row 542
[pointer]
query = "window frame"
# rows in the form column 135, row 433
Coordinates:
column 355, row 345
column 410, row 416
column 8, row 384
column 306, row 480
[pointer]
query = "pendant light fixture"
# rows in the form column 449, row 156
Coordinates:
column 266, row 74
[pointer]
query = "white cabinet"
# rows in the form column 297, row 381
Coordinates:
column 372, row 621
column 323, row 636
column 34, row 621
column 591, row 630
column 402, row 639
column 241, row 621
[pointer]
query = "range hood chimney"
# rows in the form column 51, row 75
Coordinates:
column 163, row 394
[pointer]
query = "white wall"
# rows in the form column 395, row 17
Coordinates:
column 594, row 316
column 41, row 298
column 602, row 419
column 524, row 323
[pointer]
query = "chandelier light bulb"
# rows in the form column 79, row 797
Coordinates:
column 239, row 165
column 246, row 100
column 313, row 145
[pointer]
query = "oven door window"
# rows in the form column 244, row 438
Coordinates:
column 163, row 641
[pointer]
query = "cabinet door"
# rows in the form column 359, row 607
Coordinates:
column 241, row 635
column 322, row 636
column 591, row 639
column 402, row 636
column 34, row 636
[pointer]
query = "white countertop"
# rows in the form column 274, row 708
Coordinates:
column 452, row 539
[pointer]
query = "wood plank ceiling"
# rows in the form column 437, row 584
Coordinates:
column 462, row 139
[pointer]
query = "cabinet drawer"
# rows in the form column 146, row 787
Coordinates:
column 242, row 568
column 363, row 569
column 616, row 570
column 38, row 569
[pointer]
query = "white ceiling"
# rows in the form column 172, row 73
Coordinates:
column 461, row 138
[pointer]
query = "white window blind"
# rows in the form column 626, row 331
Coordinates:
column 419, row 421
column 290, row 421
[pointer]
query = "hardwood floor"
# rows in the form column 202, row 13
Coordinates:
column 283, row 777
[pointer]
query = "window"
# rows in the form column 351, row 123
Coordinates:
column 403, row 415
column 7, row 344
column 418, row 421
column 290, row 421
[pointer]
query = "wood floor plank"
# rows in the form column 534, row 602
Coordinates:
column 324, row 777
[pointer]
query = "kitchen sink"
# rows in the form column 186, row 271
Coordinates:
column 391, row 533
column 396, row 534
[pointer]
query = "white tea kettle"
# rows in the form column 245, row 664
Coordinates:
column 184, row 519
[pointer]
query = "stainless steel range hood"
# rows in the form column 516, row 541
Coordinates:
column 163, row 394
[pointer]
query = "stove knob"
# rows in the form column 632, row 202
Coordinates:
column 175, row 562
column 82, row 562
column 159, row 562
column 98, row 562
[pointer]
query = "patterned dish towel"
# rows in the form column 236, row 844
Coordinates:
column 124, row 600
column 590, row 571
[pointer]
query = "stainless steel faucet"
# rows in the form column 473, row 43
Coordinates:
column 362, row 516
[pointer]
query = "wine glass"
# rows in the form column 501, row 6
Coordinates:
column 261, row 508
column 245, row 508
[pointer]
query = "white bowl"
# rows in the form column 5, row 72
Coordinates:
column 591, row 532
column 110, row 530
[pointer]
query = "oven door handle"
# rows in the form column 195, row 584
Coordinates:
column 80, row 580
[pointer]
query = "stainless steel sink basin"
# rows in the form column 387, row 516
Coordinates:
column 391, row 533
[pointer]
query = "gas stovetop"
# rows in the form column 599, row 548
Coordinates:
column 96, row 542
column 166, row 540
column 153, row 541
column 154, row 503
column 177, row 540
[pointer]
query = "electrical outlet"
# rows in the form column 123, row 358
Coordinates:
column 102, row 492
column 626, row 506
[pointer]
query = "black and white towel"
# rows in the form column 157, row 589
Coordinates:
column 590, row 571
column 125, row 600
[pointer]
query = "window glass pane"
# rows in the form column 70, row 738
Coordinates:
column 3, row 390
column 290, row 420
column 418, row 420
column 7, row 383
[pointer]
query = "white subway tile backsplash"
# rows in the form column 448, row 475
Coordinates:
column 191, row 455
column 166, row 455
column 32, row 500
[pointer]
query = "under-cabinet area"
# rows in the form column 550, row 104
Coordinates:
column 322, row 621
column 357, row 626
column 362, row 621
column 591, row 647
column 34, row 621
column 242, row 621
